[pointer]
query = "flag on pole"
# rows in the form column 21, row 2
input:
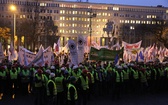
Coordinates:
column 116, row 59
column 73, row 52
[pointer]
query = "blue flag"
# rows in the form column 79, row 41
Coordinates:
column 137, row 58
column 116, row 59
column 141, row 55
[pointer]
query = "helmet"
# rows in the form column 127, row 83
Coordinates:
column 52, row 67
column 52, row 75
column 75, row 67
column 48, row 71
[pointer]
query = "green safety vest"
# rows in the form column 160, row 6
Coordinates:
column 75, row 95
column 155, row 73
column 39, row 84
column 126, row 75
column 118, row 77
column 84, row 83
column 58, row 81
column 3, row 74
column 92, row 78
column 25, row 73
column 135, row 75
column 143, row 77
column 13, row 75
column 55, row 88
column 161, row 72
column 76, row 75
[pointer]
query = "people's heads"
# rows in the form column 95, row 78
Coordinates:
column 84, row 72
column 119, row 68
column 66, row 73
column 48, row 71
column 39, row 72
column 72, row 79
column 52, row 75
column 75, row 68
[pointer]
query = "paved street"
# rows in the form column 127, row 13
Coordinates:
column 148, row 99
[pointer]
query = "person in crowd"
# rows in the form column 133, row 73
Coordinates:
column 51, row 90
column 72, row 94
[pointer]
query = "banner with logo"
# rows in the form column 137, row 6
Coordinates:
column 73, row 52
column 25, row 56
column 105, row 54
column 132, row 48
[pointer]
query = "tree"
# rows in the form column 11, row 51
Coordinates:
column 37, row 26
column 51, row 32
column 159, row 30
column 4, row 33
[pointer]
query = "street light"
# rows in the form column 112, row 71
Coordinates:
column 13, row 9
column 91, row 15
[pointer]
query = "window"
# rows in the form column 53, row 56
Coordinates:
column 116, row 8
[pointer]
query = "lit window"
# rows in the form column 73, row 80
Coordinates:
column 73, row 25
column 43, row 4
column 138, row 21
column 148, row 22
column 132, row 27
column 73, row 31
column 153, row 22
column 24, row 16
column 166, row 11
column 60, row 24
column 148, row 16
column 153, row 16
column 63, row 18
column 116, row 8
column 60, row 31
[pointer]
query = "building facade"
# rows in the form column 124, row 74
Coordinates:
column 87, row 19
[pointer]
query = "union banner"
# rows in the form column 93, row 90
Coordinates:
column 105, row 54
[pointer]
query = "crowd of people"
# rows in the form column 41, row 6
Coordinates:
column 75, row 85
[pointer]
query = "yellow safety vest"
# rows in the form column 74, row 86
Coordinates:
column 13, row 75
column 143, row 77
column 75, row 95
column 3, row 74
column 118, row 77
column 55, row 88
column 39, row 84
column 58, row 81
column 84, row 83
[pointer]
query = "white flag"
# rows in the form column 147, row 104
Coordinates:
column 73, row 52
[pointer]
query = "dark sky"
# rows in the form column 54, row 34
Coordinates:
column 131, row 2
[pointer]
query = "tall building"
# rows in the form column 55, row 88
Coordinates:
column 87, row 19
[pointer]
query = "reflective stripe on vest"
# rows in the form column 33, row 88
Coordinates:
column 76, row 75
column 3, row 73
column 58, row 81
column 25, row 73
column 126, row 75
column 118, row 77
column 39, row 84
column 84, row 83
column 55, row 88
column 92, row 78
column 75, row 95
column 143, row 77
column 135, row 74
column 13, row 75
